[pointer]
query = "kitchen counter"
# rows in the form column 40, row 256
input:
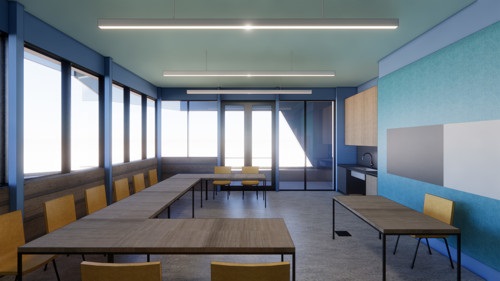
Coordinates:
column 361, row 169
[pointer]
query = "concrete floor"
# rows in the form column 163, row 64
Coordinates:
column 308, row 216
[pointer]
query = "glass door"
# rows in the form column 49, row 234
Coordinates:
column 247, row 130
column 306, row 145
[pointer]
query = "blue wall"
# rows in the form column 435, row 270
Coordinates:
column 459, row 83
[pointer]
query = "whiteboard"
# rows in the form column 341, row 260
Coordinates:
column 472, row 157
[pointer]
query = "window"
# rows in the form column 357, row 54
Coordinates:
column 151, row 127
column 174, row 128
column 189, row 129
column 42, row 114
column 202, row 129
column 84, row 120
column 135, row 126
column 117, row 119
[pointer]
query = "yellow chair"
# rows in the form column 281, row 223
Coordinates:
column 59, row 212
column 276, row 271
column 221, row 170
column 11, row 237
column 95, row 199
column 96, row 271
column 153, row 177
column 441, row 209
column 139, row 182
column 245, row 183
column 121, row 189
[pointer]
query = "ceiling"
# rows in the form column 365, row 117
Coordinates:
column 352, row 54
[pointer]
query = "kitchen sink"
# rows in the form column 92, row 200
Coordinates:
column 366, row 169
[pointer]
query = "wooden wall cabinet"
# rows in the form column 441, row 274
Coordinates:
column 361, row 118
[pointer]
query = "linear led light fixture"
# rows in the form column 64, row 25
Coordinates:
column 249, row 92
column 248, row 73
column 256, row 24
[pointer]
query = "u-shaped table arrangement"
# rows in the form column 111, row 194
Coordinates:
column 130, row 227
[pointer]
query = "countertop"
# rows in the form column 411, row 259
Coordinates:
column 359, row 168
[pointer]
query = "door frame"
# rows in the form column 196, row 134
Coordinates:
column 247, row 105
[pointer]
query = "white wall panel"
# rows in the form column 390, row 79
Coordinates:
column 472, row 157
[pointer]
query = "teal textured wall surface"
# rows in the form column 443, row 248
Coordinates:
column 459, row 83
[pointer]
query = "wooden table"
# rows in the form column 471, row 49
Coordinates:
column 150, row 202
column 126, row 227
column 231, row 177
column 222, row 236
column 391, row 218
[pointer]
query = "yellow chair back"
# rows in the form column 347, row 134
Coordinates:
column 11, row 232
column 95, row 199
column 11, row 237
column 439, row 208
column 96, row 271
column 250, row 170
column 59, row 212
column 139, row 182
column 153, row 177
column 121, row 189
column 276, row 271
column 222, row 170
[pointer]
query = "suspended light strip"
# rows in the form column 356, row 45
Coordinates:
column 257, row 24
column 249, row 74
column 249, row 92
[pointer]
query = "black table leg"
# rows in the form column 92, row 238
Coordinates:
column 459, row 257
column 293, row 266
column 19, row 266
column 192, row 188
column 383, row 255
column 333, row 218
column 201, row 193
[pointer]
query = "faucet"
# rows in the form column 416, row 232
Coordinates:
column 371, row 158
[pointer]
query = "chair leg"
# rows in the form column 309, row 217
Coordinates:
column 416, row 251
column 428, row 246
column 55, row 269
column 449, row 255
column 257, row 191
column 83, row 257
column 228, row 192
column 396, row 246
column 243, row 194
column 148, row 258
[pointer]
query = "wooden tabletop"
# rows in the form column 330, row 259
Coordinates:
column 232, row 176
column 178, row 236
column 393, row 218
column 148, row 203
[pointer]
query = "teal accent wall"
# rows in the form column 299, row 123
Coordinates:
column 459, row 83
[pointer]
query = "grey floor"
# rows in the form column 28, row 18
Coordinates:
column 308, row 216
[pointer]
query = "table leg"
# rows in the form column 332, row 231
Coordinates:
column 383, row 255
column 192, row 205
column 333, row 219
column 111, row 258
column 19, row 266
column 168, row 212
column 265, row 198
column 201, row 193
column 459, row 257
column 293, row 266
column 206, row 189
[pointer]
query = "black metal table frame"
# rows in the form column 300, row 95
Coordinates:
column 384, row 236
column 206, row 191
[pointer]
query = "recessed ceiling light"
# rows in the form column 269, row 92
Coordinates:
column 249, row 74
column 248, row 92
column 262, row 24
